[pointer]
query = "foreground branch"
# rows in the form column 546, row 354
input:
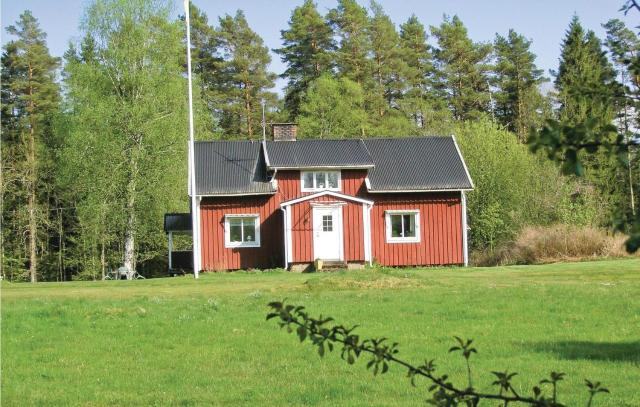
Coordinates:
column 324, row 334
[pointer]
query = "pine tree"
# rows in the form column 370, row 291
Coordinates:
column 307, row 50
column 204, row 58
column 30, row 99
column 464, row 66
column 243, row 78
column 518, row 101
column 388, row 68
column 624, row 48
column 422, row 102
column 350, row 22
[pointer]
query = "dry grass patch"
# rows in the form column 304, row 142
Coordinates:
column 557, row 243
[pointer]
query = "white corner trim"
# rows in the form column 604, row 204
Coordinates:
column 464, row 164
column 465, row 243
column 196, row 240
column 366, row 221
column 323, row 193
column 289, row 239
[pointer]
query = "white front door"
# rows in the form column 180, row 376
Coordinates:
column 327, row 233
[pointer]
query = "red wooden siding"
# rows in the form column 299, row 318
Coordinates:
column 215, row 256
column 440, row 229
column 302, row 230
column 440, row 226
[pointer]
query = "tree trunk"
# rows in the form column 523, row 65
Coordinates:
column 31, row 187
column 129, row 240
column 102, row 258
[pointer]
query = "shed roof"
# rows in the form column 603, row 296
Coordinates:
column 231, row 168
column 177, row 222
column 416, row 164
column 313, row 153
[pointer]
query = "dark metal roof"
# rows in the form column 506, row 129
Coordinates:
column 313, row 153
column 177, row 222
column 231, row 168
column 395, row 164
column 415, row 164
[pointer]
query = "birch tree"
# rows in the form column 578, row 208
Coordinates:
column 126, row 151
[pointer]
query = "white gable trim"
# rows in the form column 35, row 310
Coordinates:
column 323, row 193
column 464, row 164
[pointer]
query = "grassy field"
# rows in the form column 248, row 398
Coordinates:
column 185, row 342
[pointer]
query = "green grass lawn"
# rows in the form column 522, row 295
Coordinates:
column 206, row 342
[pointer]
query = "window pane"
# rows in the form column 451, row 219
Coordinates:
column 307, row 180
column 249, row 228
column 320, row 180
column 332, row 180
column 409, row 225
column 327, row 223
column 235, row 230
column 396, row 225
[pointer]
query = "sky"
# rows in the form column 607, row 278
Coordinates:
column 542, row 21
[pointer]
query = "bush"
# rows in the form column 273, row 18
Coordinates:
column 515, row 188
column 548, row 244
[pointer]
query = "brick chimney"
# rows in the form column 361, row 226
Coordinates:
column 284, row 131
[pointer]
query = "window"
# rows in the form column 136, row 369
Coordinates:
column 403, row 226
column 242, row 230
column 320, row 180
column 327, row 223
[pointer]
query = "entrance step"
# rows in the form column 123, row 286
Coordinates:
column 333, row 265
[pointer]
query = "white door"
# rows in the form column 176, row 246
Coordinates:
column 327, row 233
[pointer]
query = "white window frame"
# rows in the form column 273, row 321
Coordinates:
column 326, row 175
column 412, row 239
column 227, row 235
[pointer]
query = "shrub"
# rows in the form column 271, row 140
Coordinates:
column 515, row 188
column 548, row 244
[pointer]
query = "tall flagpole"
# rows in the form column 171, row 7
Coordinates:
column 195, row 215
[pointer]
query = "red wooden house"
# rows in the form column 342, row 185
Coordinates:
column 288, row 202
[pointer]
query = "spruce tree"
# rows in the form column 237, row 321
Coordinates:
column 585, row 80
column 586, row 91
column 465, row 67
column 518, row 101
column 30, row 100
column 243, row 78
column 307, row 50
